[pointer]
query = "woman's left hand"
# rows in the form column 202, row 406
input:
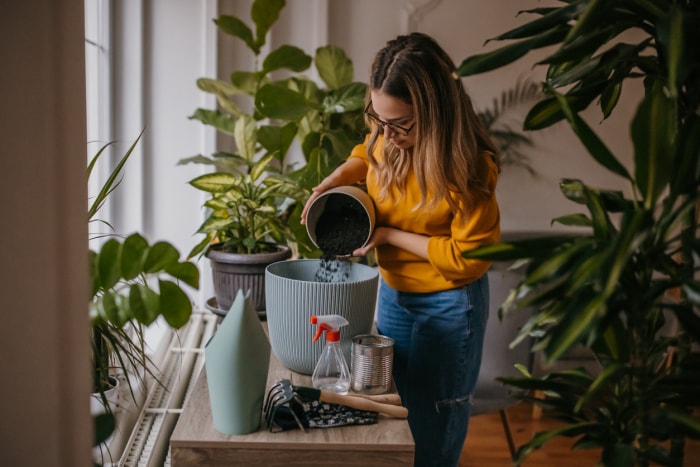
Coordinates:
column 379, row 237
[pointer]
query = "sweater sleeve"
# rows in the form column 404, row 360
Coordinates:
column 481, row 226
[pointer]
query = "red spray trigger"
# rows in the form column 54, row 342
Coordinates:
column 331, row 324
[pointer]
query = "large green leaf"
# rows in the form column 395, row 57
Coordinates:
column 108, row 264
column 175, row 305
column 580, row 318
column 653, row 129
column 595, row 146
column 160, row 255
column 279, row 102
column 264, row 14
column 685, row 173
column 184, row 271
column 245, row 133
column 277, row 138
column 491, row 60
column 144, row 303
column 237, row 28
column 216, row 182
column 554, row 18
column 133, row 255
column 214, row 118
column 287, row 56
column 334, row 66
column 527, row 248
column 345, row 99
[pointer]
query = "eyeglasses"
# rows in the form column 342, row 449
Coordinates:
column 392, row 126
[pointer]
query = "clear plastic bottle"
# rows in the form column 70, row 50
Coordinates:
column 331, row 372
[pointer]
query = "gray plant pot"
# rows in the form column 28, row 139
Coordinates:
column 234, row 271
column 293, row 296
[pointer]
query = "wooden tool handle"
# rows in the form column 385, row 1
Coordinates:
column 362, row 403
column 393, row 399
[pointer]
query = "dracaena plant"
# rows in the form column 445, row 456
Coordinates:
column 326, row 121
column 625, row 284
column 133, row 283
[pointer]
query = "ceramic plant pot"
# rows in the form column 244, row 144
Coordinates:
column 293, row 294
column 235, row 271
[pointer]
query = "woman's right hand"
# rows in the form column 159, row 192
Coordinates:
column 349, row 172
column 317, row 191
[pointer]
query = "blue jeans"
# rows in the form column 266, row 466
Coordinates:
column 438, row 340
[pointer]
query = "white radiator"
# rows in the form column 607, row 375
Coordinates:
column 182, row 360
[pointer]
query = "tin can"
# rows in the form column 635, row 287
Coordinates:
column 372, row 360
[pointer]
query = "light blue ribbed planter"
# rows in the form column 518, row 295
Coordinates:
column 293, row 295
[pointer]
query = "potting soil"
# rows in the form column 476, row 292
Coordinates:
column 338, row 233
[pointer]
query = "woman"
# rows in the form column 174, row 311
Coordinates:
column 431, row 170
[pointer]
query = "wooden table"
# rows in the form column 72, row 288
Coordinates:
column 195, row 441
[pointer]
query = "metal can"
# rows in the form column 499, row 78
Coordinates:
column 372, row 360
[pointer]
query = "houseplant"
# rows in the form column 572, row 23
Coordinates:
column 264, row 117
column 133, row 283
column 626, row 287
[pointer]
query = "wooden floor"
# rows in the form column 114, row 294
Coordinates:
column 486, row 444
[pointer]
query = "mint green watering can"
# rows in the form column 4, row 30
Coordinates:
column 237, row 358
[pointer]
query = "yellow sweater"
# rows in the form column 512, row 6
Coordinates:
column 450, row 235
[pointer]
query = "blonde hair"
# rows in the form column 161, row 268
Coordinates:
column 451, row 141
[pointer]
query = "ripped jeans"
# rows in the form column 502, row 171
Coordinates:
column 438, row 340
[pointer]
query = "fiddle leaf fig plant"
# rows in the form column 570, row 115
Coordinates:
column 264, row 116
column 625, row 284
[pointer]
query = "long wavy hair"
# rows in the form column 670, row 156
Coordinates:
column 451, row 141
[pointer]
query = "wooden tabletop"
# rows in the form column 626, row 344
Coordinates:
column 195, row 441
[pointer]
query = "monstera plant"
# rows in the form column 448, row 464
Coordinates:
column 627, row 287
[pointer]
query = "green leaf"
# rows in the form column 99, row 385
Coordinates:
column 287, row 56
column 345, row 99
column 653, row 128
column 107, row 306
column 247, row 82
column 160, row 255
column 580, row 220
column 186, row 272
column 278, row 102
column 595, row 146
column 216, row 182
column 144, row 304
column 277, row 138
column 264, row 14
column 237, row 28
column 556, row 17
column 214, row 118
column 175, row 305
column 491, row 60
column 611, row 371
column 334, row 67
column 541, row 438
column 685, row 172
column 245, row 134
column 108, row 264
column 528, row 248
column 579, row 319
column 259, row 168
column 133, row 254
column 671, row 30
column 588, row 19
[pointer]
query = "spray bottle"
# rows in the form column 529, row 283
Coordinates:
column 331, row 372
